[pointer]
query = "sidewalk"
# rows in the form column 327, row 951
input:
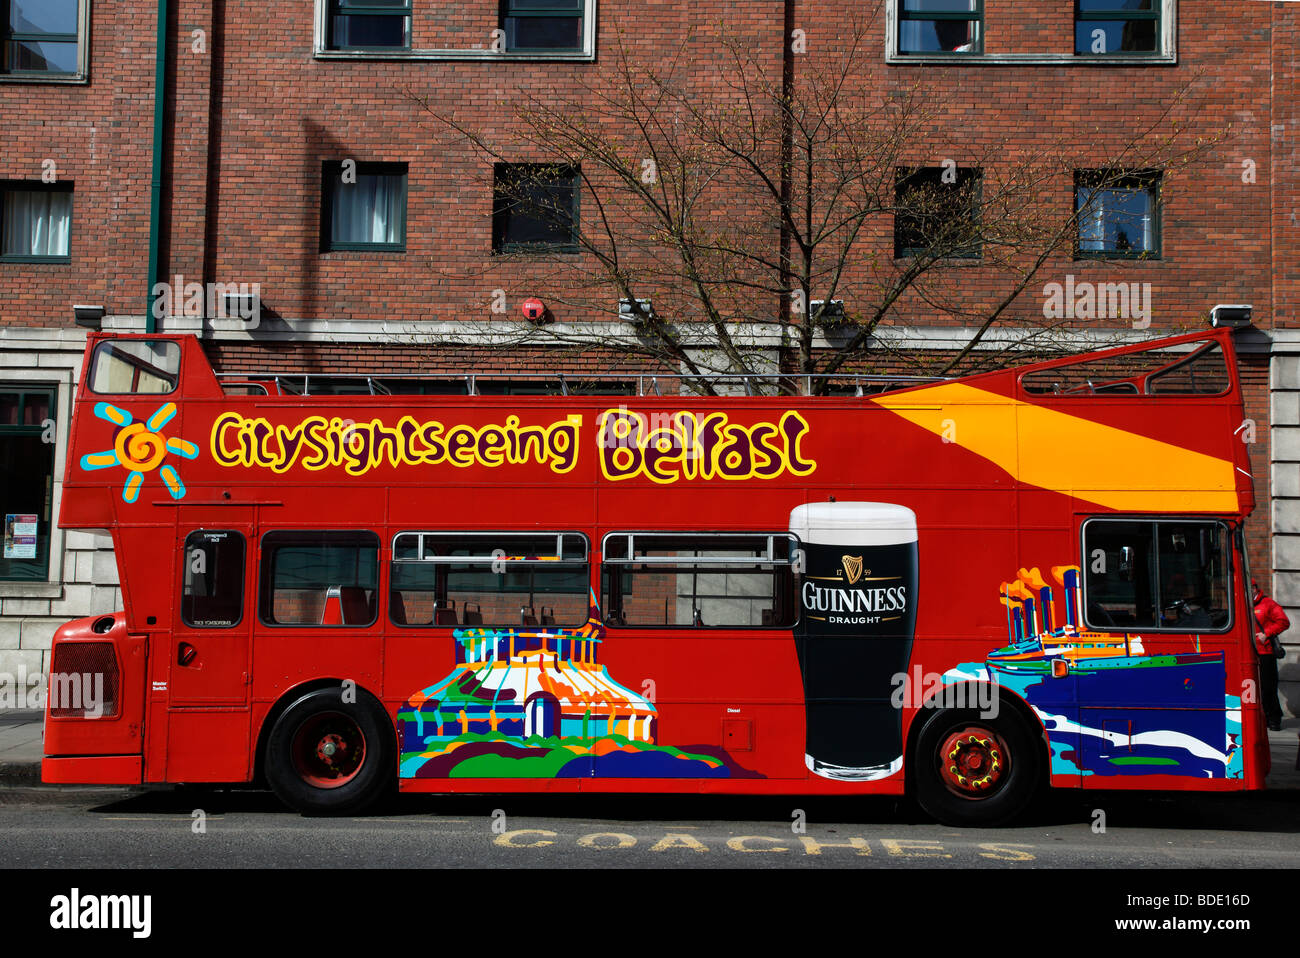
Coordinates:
column 20, row 747
column 20, row 751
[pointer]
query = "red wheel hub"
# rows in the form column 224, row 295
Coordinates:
column 973, row 762
column 329, row 750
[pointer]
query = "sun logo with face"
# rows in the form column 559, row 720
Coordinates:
column 140, row 448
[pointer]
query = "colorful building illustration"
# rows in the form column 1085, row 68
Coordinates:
column 536, row 702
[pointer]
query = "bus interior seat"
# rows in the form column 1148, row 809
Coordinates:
column 473, row 616
column 355, row 606
column 527, row 616
column 397, row 607
column 331, row 612
column 445, row 616
column 1099, row 616
column 767, row 617
column 548, row 616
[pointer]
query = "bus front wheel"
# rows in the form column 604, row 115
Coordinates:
column 330, row 754
column 971, row 770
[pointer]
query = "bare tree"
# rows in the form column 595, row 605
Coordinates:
column 732, row 211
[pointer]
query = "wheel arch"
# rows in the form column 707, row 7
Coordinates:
column 286, row 699
column 961, row 691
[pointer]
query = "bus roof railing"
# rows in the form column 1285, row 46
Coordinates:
column 480, row 384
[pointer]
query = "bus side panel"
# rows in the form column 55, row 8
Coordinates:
column 286, row 656
column 207, row 745
column 735, row 694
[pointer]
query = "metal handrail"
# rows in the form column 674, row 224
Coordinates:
column 646, row 384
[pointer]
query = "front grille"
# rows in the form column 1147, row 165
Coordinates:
column 83, row 680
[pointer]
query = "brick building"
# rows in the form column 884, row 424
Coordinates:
column 269, row 110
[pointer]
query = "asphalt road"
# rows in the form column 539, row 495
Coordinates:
column 108, row 828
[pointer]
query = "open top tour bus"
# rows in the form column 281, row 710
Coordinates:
column 961, row 590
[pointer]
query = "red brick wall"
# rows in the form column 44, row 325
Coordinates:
column 1028, row 28
column 99, row 136
column 265, row 114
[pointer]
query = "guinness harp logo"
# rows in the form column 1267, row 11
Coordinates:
column 852, row 568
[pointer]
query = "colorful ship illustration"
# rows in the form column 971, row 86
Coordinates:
column 536, row 702
column 1040, row 647
column 1109, row 706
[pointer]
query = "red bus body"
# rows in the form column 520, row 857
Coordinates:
column 1001, row 481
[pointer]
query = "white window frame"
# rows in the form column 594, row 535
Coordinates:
column 83, row 56
column 1168, row 45
column 321, row 51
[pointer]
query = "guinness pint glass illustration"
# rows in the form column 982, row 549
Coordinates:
column 858, row 616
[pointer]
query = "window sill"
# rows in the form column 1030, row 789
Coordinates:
column 452, row 54
column 1148, row 257
column 1033, row 59
column 387, row 250
column 37, row 260
column 61, row 79
column 16, row 589
column 527, row 252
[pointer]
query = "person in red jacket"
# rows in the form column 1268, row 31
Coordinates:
column 1272, row 622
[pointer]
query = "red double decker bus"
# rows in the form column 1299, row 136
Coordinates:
column 963, row 590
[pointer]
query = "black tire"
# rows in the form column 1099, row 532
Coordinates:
column 327, row 756
column 1004, row 750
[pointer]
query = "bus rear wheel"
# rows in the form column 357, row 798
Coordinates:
column 330, row 756
column 970, row 770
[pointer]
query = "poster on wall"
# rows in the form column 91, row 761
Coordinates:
column 20, row 536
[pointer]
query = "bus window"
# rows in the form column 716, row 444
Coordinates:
column 135, row 366
column 1167, row 575
column 723, row 580
column 212, row 596
column 319, row 578
column 492, row 580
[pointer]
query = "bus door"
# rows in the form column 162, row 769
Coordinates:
column 210, row 637
column 1154, row 691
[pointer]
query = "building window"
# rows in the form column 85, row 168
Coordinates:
column 369, row 24
column 36, row 223
column 26, row 480
column 1110, row 27
column 364, row 207
column 937, row 212
column 542, row 25
column 535, row 208
column 1119, row 215
column 941, row 26
column 41, row 36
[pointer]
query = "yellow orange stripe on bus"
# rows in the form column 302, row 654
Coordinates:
column 1070, row 455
